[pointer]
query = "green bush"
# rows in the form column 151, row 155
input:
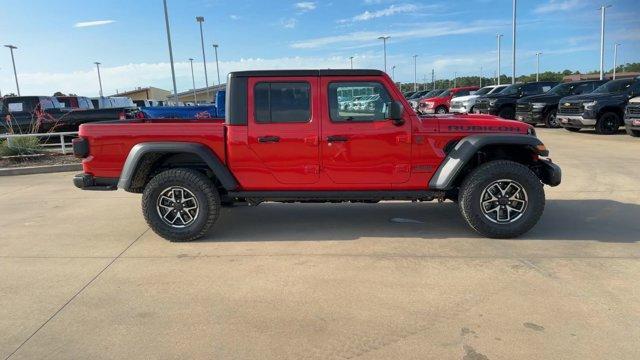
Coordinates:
column 20, row 146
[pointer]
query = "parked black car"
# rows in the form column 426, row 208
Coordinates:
column 543, row 108
column 632, row 117
column 602, row 109
column 503, row 103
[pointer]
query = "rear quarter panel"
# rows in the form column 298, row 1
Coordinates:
column 110, row 143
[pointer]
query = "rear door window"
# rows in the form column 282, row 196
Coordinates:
column 282, row 102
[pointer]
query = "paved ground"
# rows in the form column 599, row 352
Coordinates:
column 82, row 277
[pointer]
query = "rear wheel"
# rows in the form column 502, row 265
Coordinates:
column 608, row 123
column 501, row 199
column 507, row 113
column 180, row 204
column 551, row 120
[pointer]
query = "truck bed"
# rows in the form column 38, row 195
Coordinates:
column 112, row 141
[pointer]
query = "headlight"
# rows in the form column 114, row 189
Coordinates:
column 589, row 105
column 538, row 105
column 428, row 105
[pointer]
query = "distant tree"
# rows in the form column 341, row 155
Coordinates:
column 58, row 93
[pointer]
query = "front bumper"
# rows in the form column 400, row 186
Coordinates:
column 459, row 109
column 489, row 111
column 576, row 121
column 548, row 172
column 530, row 117
column 89, row 182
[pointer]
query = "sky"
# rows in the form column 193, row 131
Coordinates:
column 58, row 42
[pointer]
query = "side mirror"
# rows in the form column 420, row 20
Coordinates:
column 395, row 112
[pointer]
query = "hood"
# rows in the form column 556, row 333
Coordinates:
column 465, row 98
column 544, row 98
column 435, row 99
column 475, row 123
column 500, row 96
column 591, row 97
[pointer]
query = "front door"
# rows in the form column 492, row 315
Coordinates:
column 359, row 144
column 284, row 119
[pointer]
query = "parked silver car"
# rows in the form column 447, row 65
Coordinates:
column 465, row 104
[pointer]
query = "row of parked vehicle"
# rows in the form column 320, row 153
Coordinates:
column 598, row 104
column 42, row 114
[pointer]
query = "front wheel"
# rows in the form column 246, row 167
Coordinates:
column 441, row 110
column 501, row 199
column 608, row 123
column 180, row 204
column 551, row 120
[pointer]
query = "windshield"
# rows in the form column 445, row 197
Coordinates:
column 562, row 89
column 433, row 93
column 614, row 86
column 445, row 93
column 484, row 90
column 511, row 89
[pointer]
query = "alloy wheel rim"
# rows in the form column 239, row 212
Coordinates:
column 177, row 207
column 504, row 201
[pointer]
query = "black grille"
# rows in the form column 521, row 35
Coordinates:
column 570, row 108
column 633, row 109
column 482, row 104
column 523, row 107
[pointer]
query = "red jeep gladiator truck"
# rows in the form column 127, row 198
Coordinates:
column 286, row 138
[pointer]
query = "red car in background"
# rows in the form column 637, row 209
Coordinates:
column 440, row 104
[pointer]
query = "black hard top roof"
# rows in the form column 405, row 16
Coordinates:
column 327, row 72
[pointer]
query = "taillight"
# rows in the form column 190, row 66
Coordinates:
column 80, row 147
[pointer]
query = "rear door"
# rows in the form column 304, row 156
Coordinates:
column 359, row 144
column 284, row 117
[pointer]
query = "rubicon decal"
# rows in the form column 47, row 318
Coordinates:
column 479, row 128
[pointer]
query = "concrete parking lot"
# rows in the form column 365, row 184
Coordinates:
column 82, row 276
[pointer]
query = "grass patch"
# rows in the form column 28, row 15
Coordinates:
column 20, row 146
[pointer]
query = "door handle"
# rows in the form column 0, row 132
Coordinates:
column 268, row 139
column 337, row 138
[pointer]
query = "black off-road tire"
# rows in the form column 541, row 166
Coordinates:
column 488, row 173
column 202, row 188
column 441, row 110
column 507, row 112
column 551, row 120
column 608, row 123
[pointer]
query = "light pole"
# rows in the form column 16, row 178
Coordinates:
column 513, row 49
column 384, row 46
column 173, row 70
column 615, row 59
column 393, row 72
column 351, row 61
column 415, row 73
column 603, row 10
column 455, row 79
column 99, row 78
column 499, row 36
column 215, row 49
column 433, row 78
column 481, row 76
column 538, row 65
column 193, row 81
column 13, row 61
column 200, row 20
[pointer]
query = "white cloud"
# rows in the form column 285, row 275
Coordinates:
column 289, row 23
column 429, row 30
column 391, row 10
column 305, row 6
column 234, row 17
column 93, row 23
column 556, row 5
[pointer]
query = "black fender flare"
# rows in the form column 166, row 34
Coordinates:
column 467, row 147
column 139, row 150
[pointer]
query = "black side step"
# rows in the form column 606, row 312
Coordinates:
column 337, row 195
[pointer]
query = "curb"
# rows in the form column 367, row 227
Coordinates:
column 45, row 169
